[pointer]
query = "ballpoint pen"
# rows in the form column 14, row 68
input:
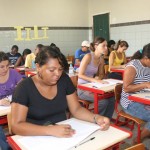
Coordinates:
column 85, row 142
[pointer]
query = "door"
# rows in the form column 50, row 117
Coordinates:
column 101, row 25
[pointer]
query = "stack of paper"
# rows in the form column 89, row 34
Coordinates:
column 83, row 130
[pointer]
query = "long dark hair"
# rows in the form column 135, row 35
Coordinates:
column 142, row 53
column 51, row 52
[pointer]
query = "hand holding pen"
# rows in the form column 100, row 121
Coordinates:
column 62, row 130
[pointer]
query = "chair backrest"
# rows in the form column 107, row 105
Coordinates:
column 117, row 91
column 137, row 147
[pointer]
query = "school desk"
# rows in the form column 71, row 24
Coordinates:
column 141, row 97
column 121, row 71
column 110, row 138
column 4, row 110
column 99, row 93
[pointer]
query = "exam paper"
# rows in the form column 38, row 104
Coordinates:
column 83, row 130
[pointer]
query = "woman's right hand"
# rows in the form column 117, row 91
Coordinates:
column 63, row 130
column 99, row 81
column 4, row 102
column 146, row 85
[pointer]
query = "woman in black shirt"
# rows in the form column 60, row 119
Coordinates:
column 44, row 98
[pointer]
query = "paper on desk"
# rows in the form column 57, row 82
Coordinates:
column 83, row 130
column 4, row 107
column 110, row 82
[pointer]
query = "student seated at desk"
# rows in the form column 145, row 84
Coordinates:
column 117, row 59
column 21, row 59
column 93, row 63
column 137, row 78
column 9, row 78
column 42, row 99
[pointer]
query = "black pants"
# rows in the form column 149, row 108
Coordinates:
column 115, row 75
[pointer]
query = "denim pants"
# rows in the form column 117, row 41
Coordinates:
column 3, row 144
column 105, row 106
column 141, row 111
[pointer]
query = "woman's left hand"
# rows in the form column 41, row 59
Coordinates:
column 103, row 122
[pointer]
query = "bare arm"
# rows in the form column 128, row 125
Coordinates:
column 83, row 114
column 21, row 127
column 129, row 76
column 77, row 62
column 83, row 66
column 18, row 62
column 111, row 62
column 125, row 59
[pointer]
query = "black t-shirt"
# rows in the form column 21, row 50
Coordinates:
column 40, row 109
column 13, row 58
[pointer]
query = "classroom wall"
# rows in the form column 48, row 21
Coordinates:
column 67, row 22
column 129, row 20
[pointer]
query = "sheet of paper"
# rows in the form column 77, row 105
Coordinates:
column 4, row 107
column 83, row 130
column 110, row 82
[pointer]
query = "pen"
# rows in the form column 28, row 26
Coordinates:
column 85, row 142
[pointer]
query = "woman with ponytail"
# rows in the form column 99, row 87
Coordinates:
column 136, row 79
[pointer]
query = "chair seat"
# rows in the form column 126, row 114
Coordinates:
column 137, row 120
column 85, row 103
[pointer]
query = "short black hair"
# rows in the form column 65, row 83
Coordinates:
column 26, row 51
column 3, row 56
column 15, row 46
column 111, row 42
column 51, row 52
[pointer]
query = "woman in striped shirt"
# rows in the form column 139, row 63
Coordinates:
column 92, row 70
column 136, row 79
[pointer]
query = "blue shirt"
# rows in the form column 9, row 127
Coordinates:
column 79, row 54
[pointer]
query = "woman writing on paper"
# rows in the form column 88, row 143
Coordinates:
column 43, row 99
column 136, row 79
column 9, row 78
column 91, row 65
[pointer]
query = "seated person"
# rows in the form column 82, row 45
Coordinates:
column 117, row 59
column 79, row 54
column 13, row 55
column 21, row 59
column 43, row 99
column 93, row 64
column 29, row 62
column 3, row 144
column 136, row 78
column 9, row 78
column 110, row 46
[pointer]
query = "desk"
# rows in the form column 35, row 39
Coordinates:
column 140, row 97
column 121, row 71
column 29, row 73
column 21, row 70
column 4, row 110
column 103, row 140
column 99, row 93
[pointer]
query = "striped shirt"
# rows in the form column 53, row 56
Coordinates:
column 90, row 71
column 142, row 75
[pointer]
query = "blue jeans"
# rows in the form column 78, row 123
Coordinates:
column 3, row 144
column 140, row 111
column 105, row 106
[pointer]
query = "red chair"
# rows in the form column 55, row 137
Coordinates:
column 129, row 120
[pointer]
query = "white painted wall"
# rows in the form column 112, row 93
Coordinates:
column 43, row 13
column 120, row 10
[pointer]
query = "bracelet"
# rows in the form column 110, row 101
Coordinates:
column 95, row 116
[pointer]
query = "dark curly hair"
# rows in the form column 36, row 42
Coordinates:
column 142, row 53
column 48, row 52
column 3, row 56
